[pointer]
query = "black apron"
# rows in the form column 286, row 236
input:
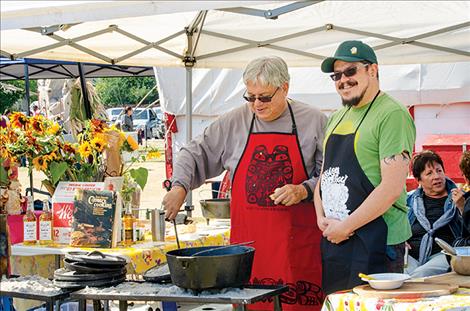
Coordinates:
column 344, row 179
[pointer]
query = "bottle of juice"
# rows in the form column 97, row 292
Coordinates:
column 45, row 224
column 128, row 224
column 29, row 224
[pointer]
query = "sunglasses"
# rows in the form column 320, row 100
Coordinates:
column 351, row 71
column 263, row 99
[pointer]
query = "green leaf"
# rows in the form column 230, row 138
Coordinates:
column 140, row 175
column 3, row 177
column 57, row 171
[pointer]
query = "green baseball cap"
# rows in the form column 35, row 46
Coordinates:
column 350, row 51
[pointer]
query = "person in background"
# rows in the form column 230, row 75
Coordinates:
column 432, row 213
column 272, row 147
column 35, row 111
column 127, row 121
column 461, row 198
column 5, row 119
column 360, row 199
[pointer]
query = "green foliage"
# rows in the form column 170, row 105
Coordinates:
column 119, row 92
column 140, row 175
column 57, row 171
column 8, row 98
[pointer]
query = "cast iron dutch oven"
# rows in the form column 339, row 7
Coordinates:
column 212, row 267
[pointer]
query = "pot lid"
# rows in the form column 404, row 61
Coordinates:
column 96, row 258
column 67, row 275
column 82, row 267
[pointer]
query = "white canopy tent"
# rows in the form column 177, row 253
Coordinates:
column 224, row 34
column 440, row 94
column 230, row 33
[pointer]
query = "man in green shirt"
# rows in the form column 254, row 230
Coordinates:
column 361, row 197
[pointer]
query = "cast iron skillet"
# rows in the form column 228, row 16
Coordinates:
column 158, row 274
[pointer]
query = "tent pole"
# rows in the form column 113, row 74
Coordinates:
column 26, row 88
column 86, row 100
column 27, row 96
column 189, row 131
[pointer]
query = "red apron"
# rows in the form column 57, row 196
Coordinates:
column 287, row 239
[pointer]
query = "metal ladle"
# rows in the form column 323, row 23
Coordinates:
column 176, row 234
column 445, row 246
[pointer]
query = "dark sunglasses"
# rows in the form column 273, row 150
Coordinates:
column 263, row 99
column 351, row 71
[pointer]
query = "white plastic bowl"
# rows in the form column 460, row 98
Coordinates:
column 387, row 280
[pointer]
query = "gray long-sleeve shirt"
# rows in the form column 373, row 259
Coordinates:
column 221, row 145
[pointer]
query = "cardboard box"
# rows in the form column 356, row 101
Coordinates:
column 62, row 207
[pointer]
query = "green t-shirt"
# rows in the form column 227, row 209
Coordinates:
column 387, row 130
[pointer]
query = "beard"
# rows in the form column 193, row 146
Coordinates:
column 352, row 101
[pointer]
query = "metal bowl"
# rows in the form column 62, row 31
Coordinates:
column 215, row 208
column 460, row 263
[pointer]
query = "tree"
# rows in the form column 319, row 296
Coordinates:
column 12, row 92
column 119, row 92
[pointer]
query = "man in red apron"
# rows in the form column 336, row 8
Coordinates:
column 361, row 198
column 272, row 147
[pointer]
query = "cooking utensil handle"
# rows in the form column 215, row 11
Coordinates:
column 96, row 253
column 176, row 234
column 184, row 261
column 222, row 247
column 445, row 246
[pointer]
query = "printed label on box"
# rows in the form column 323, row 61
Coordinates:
column 62, row 207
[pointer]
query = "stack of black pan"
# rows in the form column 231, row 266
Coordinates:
column 95, row 269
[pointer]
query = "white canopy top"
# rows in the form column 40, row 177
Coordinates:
column 231, row 33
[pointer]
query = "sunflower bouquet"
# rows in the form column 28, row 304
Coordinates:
column 39, row 140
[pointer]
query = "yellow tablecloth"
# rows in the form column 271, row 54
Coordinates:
column 348, row 301
column 141, row 256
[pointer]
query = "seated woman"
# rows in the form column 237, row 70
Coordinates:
column 432, row 213
column 461, row 199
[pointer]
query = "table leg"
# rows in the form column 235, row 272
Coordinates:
column 57, row 261
column 97, row 305
column 106, row 305
column 49, row 306
column 122, row 305
column 277, row 303
column 82, row 305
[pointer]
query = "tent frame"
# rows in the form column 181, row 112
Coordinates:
column 189, row 58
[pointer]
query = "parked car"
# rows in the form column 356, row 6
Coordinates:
column 145, row 119
column 161, row 126
column 114, row 113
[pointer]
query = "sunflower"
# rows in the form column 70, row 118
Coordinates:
column 69, row 148
column 40, row 163
column 52, row 156
column 132, row 143
column 85, row 149
column 37, row 124
column 98, row 126
column 98, row 143
column 154, row 154
column 18, row 119
column 54, row 129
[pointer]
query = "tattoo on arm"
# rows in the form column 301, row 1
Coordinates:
column 405, row 157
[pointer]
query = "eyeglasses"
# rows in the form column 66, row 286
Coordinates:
column 351, row 71
column 263, row 99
